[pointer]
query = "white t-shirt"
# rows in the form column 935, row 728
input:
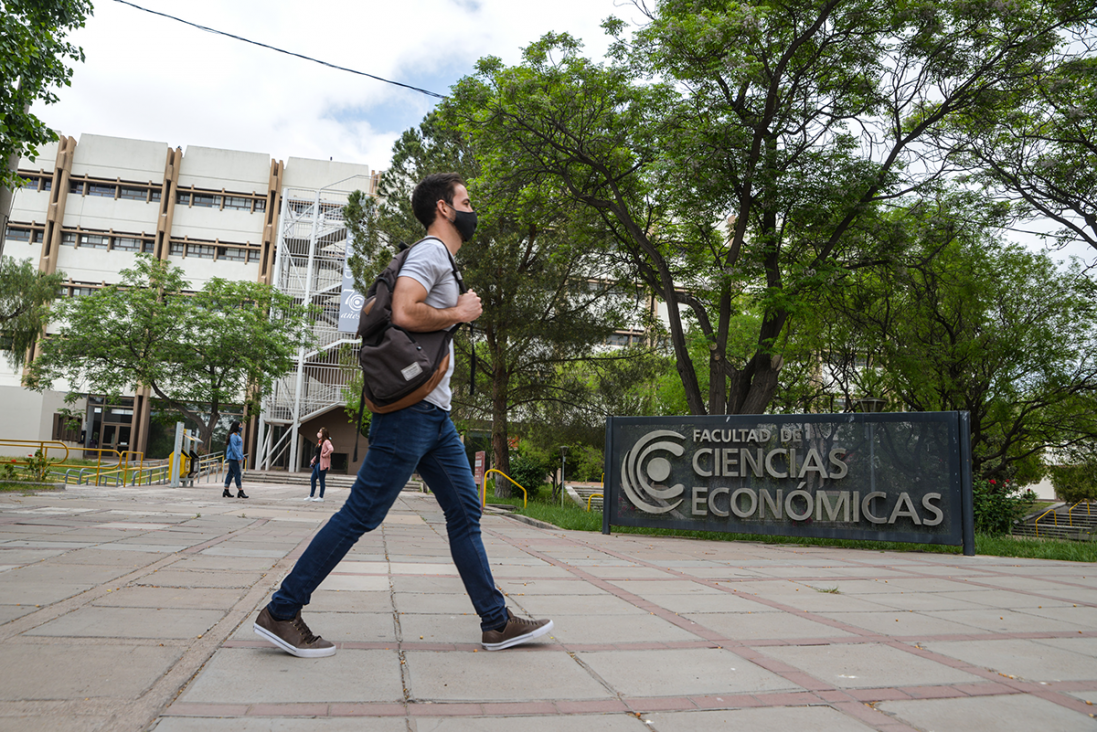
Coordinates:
column 429, row 264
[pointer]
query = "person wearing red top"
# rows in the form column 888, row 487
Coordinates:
column 321, row 463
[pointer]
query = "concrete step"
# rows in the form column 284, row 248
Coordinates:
column 304, row 479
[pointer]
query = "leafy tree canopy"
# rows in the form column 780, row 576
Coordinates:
column 749, row 150
column 33, row 62
column 25, row 294
column 224, row 344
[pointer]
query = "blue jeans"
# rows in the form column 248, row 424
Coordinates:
column 317, row 473
column 232, row 472
column 422, row 438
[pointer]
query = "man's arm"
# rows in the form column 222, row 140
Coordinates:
column 411, row 312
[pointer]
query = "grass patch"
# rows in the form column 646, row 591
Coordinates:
column 14, row 486
column 576, row 518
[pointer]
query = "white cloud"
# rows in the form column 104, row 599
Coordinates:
column 153, row 78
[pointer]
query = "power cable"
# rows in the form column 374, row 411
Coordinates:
column 281, row 50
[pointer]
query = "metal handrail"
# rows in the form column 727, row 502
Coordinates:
column 484, row 488
column 592, row 496
column 1055, row 515
column 1070, row 511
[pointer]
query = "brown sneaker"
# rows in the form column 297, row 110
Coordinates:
column 292, row 636
column 517, row 630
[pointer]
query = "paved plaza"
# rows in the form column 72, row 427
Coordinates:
column 132, row 609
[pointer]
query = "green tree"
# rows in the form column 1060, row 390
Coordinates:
column 541, row 276
column 33, row 62
column 224, row 344
column 965, row 322
column 794, row 123
column 25, row 294
column 1041, row 154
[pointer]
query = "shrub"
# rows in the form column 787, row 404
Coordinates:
column 1075, row 483
column 998, row 505
column 528, row 472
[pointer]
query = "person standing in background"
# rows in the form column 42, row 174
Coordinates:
column 321, row 463
column 234, row 453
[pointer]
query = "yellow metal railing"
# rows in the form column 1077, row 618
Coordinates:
column 591, row 497
column 484, row 488
column 112, row 466
column 1055, row 515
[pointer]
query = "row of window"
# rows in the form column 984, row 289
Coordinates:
column 222, row 201
column 144, row 243
column 149, row 192
column 84, row 186
column 30, row 234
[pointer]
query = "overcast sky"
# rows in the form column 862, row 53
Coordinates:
column 151, row 78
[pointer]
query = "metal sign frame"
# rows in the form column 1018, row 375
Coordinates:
column 879, row 477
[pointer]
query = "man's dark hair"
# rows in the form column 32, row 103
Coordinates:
column 435, row 187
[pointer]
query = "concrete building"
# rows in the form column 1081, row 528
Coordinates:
column 88, row 208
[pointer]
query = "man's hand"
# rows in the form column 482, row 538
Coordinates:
column 468, row 307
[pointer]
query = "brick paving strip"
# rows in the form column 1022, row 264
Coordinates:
column 408, row 652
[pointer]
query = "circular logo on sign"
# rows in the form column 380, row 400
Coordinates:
column 645, row 468
column 355, row 301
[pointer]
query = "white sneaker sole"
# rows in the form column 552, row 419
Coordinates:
column 516, row 640
column 299, row 652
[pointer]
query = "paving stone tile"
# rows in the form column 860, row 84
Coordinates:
column 904, row 623
column 692, row 671
column 30, row 671
column 548, row 587
column 724, row 602
column 1030, row 660
column 550, row 606
column 171, row 597
column 1001, row 620
column 268, row 724
column 631, row 628
column 264, row 676
column 128, row 622
column 781, row 719
column 1013, row 713
column 11, row 612
column 601, row 723
column 654, row 588
column 764, row 626
column 867, row 665
column 488, row 677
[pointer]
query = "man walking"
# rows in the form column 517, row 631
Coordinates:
column 419, row 438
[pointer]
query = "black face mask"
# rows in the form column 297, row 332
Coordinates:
column 465, row 223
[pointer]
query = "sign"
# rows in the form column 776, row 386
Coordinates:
column 479, row 460
column 350, row 303
column 885, row 477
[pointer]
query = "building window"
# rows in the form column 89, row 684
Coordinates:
column 103, row 191
column 261, row 205
column 233, row 254
column 29, row 182
column 237, row 203
column 76, row 186
column 154, row 196
column 198, row 250
column 68, row 238
column 182, row 198
column 94, row 241
column 133, row 194
column 126, row 244
column 64, row 429
column 17, row 234
column 177, row 247
column 206, row 201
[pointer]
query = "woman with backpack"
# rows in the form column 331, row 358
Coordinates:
column 234, row 453
column 321, row 463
